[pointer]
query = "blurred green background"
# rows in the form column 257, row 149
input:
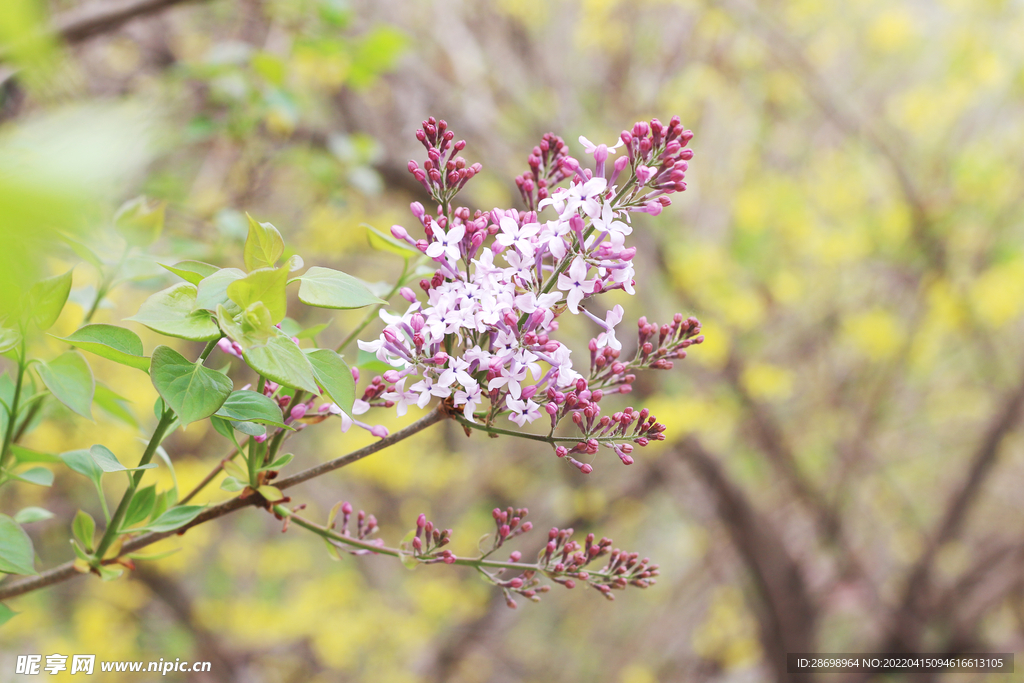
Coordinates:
column 844, row 466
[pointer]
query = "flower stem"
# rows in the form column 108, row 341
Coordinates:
column 134, row 478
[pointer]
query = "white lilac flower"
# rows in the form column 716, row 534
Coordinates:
column 522, row 411
column 514, row 235
column 607, row 338
column 471, row 397
column 576, row 283
column 402, row 398
column 426, row 388
column 511, row 377
column 589, row 147
column 446, row 244
column 530, row 302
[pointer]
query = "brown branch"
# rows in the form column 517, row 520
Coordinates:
column 96, row 18
column 788, row 616
column 66, row 571
column 908, row 620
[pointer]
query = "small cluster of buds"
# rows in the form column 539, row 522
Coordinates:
column 509, row 524
column 550, row 163
column 582, row 407
column 427, row 544
column 657, row 346
column 659, row 157
column 441, row 177
column 564, row 561
column 672, row 341
column 366, row 526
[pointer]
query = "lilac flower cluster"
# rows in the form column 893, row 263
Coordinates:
column 564, row 562
column 365, row 527
column 480, row 336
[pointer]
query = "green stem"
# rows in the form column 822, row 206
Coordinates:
column 210, row 346
column 533, row 437
column 133, row 481
column 12, row 417
column 104, row 288
column 372, row 314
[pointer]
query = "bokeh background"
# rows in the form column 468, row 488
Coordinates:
column 844, row 462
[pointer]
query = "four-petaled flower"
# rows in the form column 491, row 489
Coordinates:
column 576, row 283
column 522, row 411
column 446, row 244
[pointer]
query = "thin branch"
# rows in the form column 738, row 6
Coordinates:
column 789, row 613
column 96, row 18
column 907, row 622
column 66, row 571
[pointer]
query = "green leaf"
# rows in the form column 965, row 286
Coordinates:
column 163, row 502
column 40, row 476
column 140, row 507
column 251, row 406
column 281, row 360
column 232, row 485
column 171, row 312
column 16, row 553
column 32, row 514
column 371, row 364
column 222, row 426
column 252, row 327
column 114, row 404
column 70, row 380
column 192, row 391
column 9, row 338
column 81, row 461
column 311, row 332
column 381, row 242
column 278, row 463
column 191, row 271
column 46, row 299
column 213, row 289
column 84, row 529
column 263, row 246
column 108, row 462
column 6, row 614
column 266, row 285
column 326, row 288
column 110, row 342
column 271, row 493
column 334, row 375
column 23, row 455
column 153, row 556
column 251, row 428
column 173, row 518
column 140, row 221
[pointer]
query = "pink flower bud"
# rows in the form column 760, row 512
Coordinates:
column 561, row 451
column 379, row 431
column 392, row 376
column 515, row 556
column 417, row 544
column 299, row 411
column 421, row 521
column 260, row 438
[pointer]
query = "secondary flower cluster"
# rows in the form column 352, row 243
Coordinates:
column 481, row 334
column 563, row 561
